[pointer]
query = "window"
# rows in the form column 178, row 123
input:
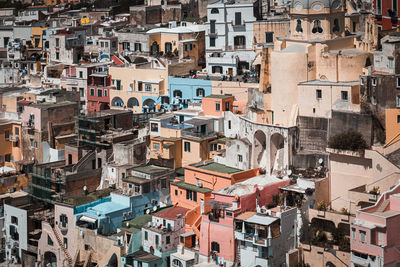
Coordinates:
column 213, row 147
column 363, row 236
column 157, row 240
column 394, row 6
column 215, row 246
column 81, row 74
column 186, row 146
column 391, row 62
column 379, row 7
column 345, row 95
column 212, row 41
column 319, row 93
column 191, row 195
column 147, row 87
column 398, row 82
column 200, row 92
column 163, row 183
column 49, row 241
column 57, row 56
column 353, row 233
column 105, row 92
column 81, row 92
column 87, row 247
column 238, row 18
column 228, row 214
column 239, row 41
column 336, row 26
column 374, row 81
column 91, row 91
column 137, row 188
column 99, row 93
column 317, row 28
column 176, row 192
column 229, row 124
column 106, row 44
column 126, row 46
column 240, row 158
column 188, row 47
column 14, row 220
column 63, row 220
column 65, row 242
column 214, row 11
column 167, row 240
column 156, row 146
column 176, row 262
column 299, row 28
column 177, row 93
column 146, row 235
column 227, row 106
column 212, row 26
column 269, row 37
column 138, row 47
column 217, row 106
column 16, row 131
column 7, row 134
column 57, row 42
column 398, row 101
column 154, row 127
column 398, row 118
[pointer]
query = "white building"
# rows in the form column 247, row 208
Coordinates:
column 229, row 36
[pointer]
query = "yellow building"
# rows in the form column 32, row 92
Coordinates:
column 137, row 86
column 10, row 145
column 37, row 37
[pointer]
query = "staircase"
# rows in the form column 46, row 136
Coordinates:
column 237, row 255
column 82, row 160
column 60, row 243
column 383, row 206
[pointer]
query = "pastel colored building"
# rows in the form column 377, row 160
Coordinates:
column 217, row 226
column 185, row 90
column 10, row 141
column 216, row 105
column 160, row 237
column 99, row 87
column 392, row 123
column 374, row 238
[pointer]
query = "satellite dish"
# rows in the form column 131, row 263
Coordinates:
column 147, row 211
column 289, row 172
column 155, row 208
column 320, row 161
column 84, row 188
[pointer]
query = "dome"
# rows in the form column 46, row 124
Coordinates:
column 307, row 4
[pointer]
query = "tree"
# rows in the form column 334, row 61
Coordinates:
column 348, row 140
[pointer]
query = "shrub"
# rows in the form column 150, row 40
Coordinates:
column 348, row 140
column 322, row 205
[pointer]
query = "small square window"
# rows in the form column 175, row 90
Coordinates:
column 345, row 95
column 373, row 81
column 217, row 106
column 398, row 118
column 240, row 158
column 319, row 93
column 398, row 101
column 398, row 82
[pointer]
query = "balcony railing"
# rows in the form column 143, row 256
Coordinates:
column 191, row 133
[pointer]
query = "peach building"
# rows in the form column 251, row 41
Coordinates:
column 374, row 233
column 392, row 123
column 215, row 105
column 10, row 142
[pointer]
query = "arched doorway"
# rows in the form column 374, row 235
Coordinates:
column 117, row 102
column 276, row 152
column 113, row 262
column 50, row 259
column 132, row 102
column 149, row 105
column 260, row 141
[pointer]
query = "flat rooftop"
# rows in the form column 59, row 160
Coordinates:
column 216, row 167
column 48, row 105
column 150, row 169
column 218, row 96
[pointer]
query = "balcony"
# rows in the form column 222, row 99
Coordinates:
column 256, row 240
column 192, row 133
column 13, row 138
column 238, row 24
column 212, row 33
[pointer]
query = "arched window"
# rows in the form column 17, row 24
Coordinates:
column 299, row 28
column 177, row 93
column 317, row 27
column 176, row 262
column 117, row 102
column 200, row 92
column 214, row 11
column 132, row 102
column 336, row 26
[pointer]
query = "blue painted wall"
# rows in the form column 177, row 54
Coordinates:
column 188, row 87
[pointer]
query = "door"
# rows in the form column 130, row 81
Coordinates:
column 230, row 71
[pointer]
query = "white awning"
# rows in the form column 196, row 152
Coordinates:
column 87, row 219
column 257, row 60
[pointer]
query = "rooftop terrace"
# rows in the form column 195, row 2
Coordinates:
column 216, row 167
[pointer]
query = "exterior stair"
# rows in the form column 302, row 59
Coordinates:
column 383, row 206
column 60, row 243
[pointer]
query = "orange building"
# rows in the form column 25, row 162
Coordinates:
column 215, row 105
column 392, row 122
column 10, row 145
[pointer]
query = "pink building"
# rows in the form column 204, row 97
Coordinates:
column 375, row 238
column 98, row 94
column 217, row 233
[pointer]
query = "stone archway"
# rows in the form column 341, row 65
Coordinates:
column 113, row 261
column 149, row 105
column 50, row 259
column 260, row 143
column 277, row 145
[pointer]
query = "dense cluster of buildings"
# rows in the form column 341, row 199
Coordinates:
column 199, row 133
